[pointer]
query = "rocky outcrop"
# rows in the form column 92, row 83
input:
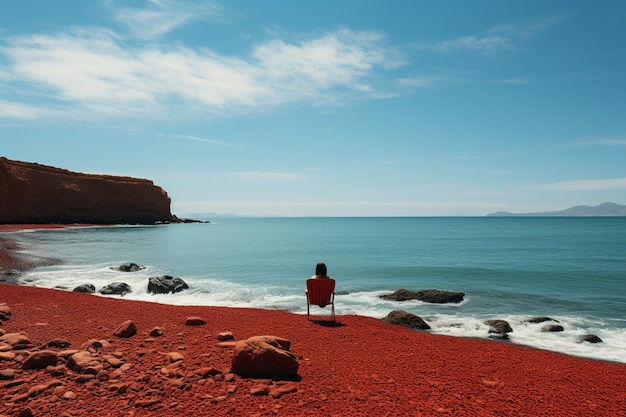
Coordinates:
column 33, row 193
column 427, row 296
column 129, row 267
column 540, row 319
column 166, row 284
column 85, row 288
column 406, row 319
column 591, row 338
column 552, row 328
column 116, row 288
column 499, row 326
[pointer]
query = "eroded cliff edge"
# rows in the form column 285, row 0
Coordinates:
column 34, row 193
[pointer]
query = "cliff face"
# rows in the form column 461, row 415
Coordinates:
column 33, row 193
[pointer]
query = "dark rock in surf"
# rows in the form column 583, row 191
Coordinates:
column 591, row 338
column 116, row 288
column 129, row 267
column 406, row 319
column 85, row 288
column 499, row 336
column 552, row 328
column 427, row 296
column 499, row 326
column 540, row 320
column 166, row 284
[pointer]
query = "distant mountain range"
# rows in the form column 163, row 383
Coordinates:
column 604, row 209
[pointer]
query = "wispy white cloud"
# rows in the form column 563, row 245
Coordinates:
column 419, row 81
column 496, row 39
column 513, row 81
column 10, row 110
column 585, row 185
column 528, row 28
column 160, row 16
column 489, row 43
column 95, row 72
column 601, row 142
column 199, row 139
column 269, row 176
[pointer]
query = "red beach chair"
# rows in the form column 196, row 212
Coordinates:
column 320, row 292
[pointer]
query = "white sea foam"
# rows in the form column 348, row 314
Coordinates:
column 509, row 269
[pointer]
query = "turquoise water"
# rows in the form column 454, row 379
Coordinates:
column 572, row 269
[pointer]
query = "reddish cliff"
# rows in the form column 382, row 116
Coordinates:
column 33, row 193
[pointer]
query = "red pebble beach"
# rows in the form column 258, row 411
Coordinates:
column 358, row 367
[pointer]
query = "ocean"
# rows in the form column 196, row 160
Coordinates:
column 572, row 269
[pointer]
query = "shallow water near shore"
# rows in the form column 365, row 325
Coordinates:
column 571, row 269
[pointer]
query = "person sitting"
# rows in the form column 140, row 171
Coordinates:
column 320, row 291
column 320, row 271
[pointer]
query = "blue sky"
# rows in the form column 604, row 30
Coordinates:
column 331, row 108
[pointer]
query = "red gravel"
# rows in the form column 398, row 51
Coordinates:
column 361, row 367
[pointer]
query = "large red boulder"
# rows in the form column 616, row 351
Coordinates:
column 264, row 356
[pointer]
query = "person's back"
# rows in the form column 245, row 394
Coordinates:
column 321, row 272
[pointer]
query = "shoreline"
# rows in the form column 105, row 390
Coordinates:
column 361, row 366
column 13, row 262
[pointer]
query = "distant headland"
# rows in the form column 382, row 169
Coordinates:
column 40, row 194
column 602, row 210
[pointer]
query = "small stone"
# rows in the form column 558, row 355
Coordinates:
column 81, row 360
column 225, row 336
column 69, row 395
column 15, row 339
column 260, row 389
column 591, row 338
column 194, row 321
column 552, row 328
column 7, row 374
column 126, row 330
column 40, row 360
column 5, row 310
column 129, row 267
column 102, row 376
column 156, row 332
column 540, row 319
column 113, row 361
column 174, row 357
column 147, row 402
column 59, row 370
column 27, row 412
column 85, row 378
column 207, row 372
column 95, row 344
column 58, row 343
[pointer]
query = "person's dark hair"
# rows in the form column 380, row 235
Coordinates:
column 320, row 269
